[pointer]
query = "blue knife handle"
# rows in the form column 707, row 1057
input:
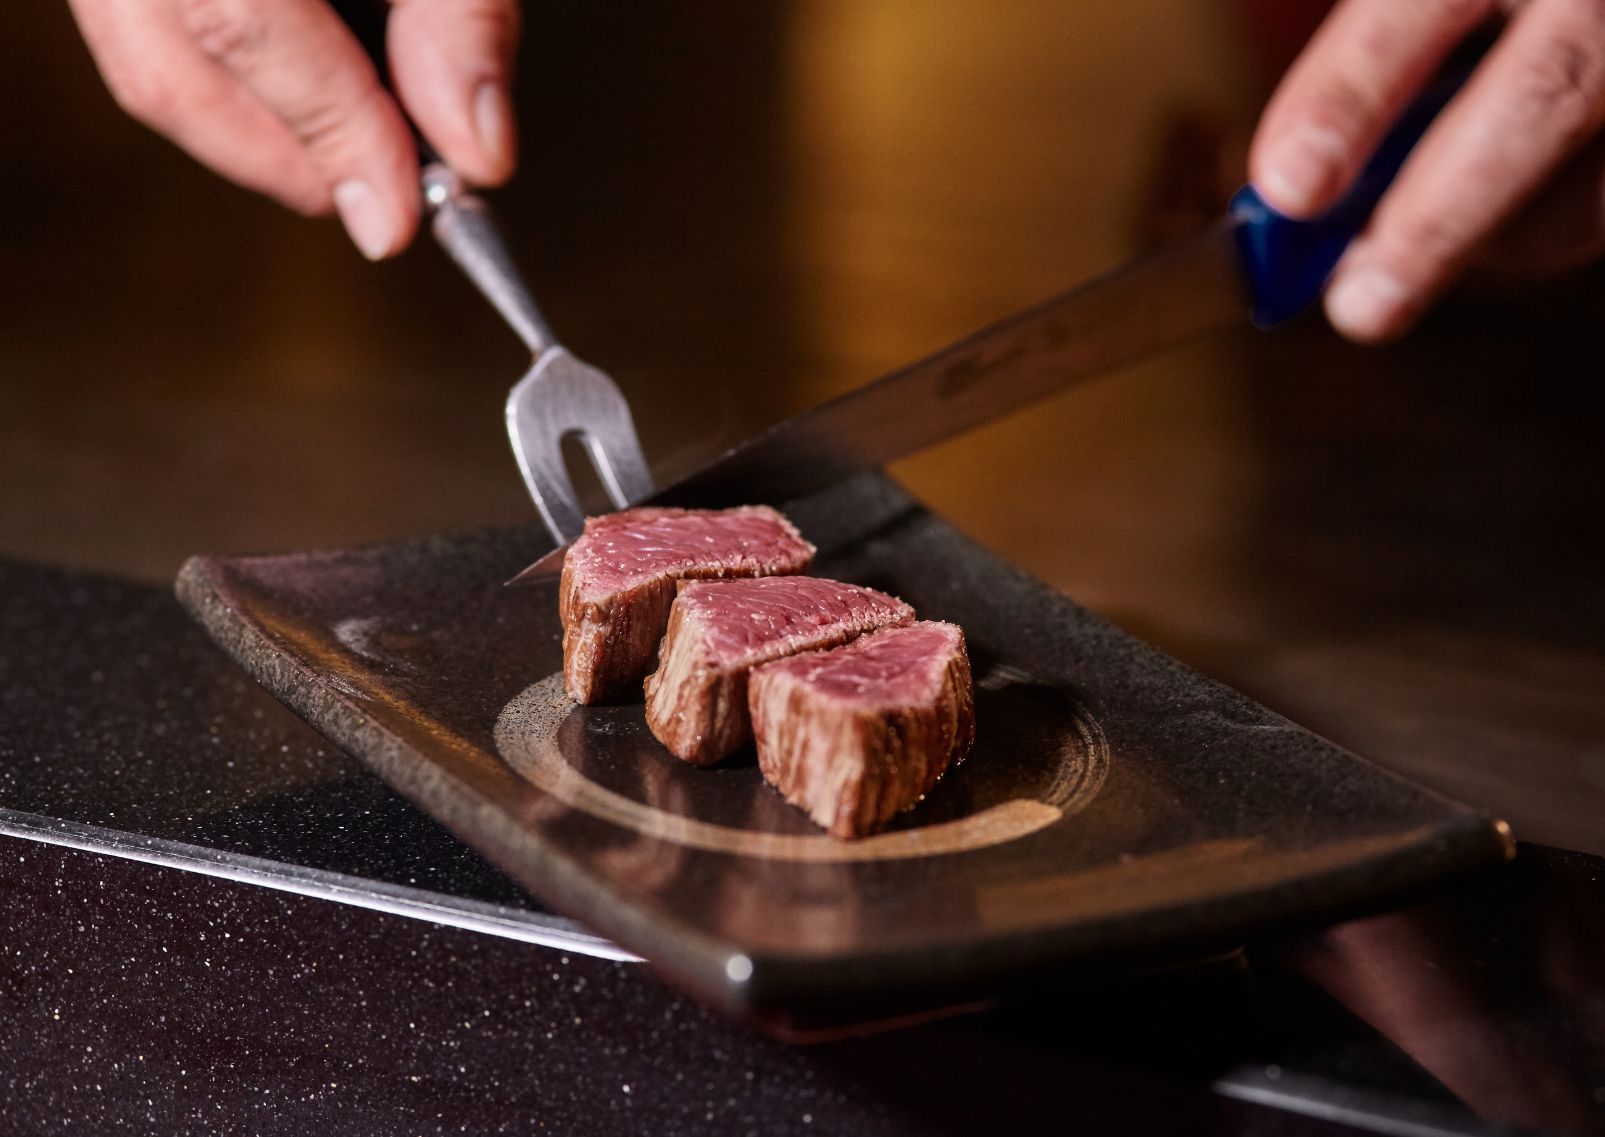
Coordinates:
column 1288, row 262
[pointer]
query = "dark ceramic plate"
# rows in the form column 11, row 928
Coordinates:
column 1119, row 810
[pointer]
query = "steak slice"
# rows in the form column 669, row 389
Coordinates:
column 855, row 735
column 696, row 701
column 619, row 577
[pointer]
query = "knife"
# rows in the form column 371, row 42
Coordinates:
column 1254, row 262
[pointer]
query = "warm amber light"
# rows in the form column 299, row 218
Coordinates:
column 954, row 162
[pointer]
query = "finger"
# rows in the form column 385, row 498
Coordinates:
column 1348, row 86
column 452, row 65
column 1560, row 230
column 306, row 66
column 157, row 74
column 1538, row 96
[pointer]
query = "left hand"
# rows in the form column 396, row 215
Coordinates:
column 279, row 96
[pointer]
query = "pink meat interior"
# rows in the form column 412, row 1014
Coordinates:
column 891, row 667
column 625, row 549
column 746, row 620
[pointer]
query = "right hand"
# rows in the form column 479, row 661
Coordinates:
column 1511, row 175
column 278, row 96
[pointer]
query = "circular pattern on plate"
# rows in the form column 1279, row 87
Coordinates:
column 1040, row 757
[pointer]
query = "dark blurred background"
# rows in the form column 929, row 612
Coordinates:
column 739, row 209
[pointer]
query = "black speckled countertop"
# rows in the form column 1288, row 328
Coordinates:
column 217, row 923
column 119, row 713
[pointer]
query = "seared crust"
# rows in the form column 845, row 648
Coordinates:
column 608, row 644
column 852, row 768
column 694, row 708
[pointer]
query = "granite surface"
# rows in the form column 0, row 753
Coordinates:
column 116, row 711
column 151, row 999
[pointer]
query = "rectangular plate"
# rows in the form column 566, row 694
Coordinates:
column 1119, row 810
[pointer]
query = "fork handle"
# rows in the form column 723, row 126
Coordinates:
column 462, row 223
column 464, row 227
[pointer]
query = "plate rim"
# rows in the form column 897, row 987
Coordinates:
column 764, row 984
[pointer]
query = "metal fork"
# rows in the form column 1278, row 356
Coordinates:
column 560, row 396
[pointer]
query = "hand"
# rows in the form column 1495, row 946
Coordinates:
column 1512, row 172
column 279, row 96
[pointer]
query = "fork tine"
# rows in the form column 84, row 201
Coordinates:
column 562, row 396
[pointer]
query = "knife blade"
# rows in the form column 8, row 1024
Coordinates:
column 1255, row 262
column 1163, row 300
column 1154, row 303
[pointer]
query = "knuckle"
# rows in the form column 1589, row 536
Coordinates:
column 1561, row 84
column 328, row 127
column 1457, row 13
column 230, row 31
column 1425, row 237
column 1343, row 106
column 322, row 125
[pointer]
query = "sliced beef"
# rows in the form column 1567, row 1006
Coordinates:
column 619, row 578
column 696, row 701
column 855, row 735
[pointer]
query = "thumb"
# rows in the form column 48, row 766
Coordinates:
column 452, row 65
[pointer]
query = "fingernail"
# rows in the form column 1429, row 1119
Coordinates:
column 366, row 219
column 1365, row 304
column 1302, row 168
column 493, row 122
